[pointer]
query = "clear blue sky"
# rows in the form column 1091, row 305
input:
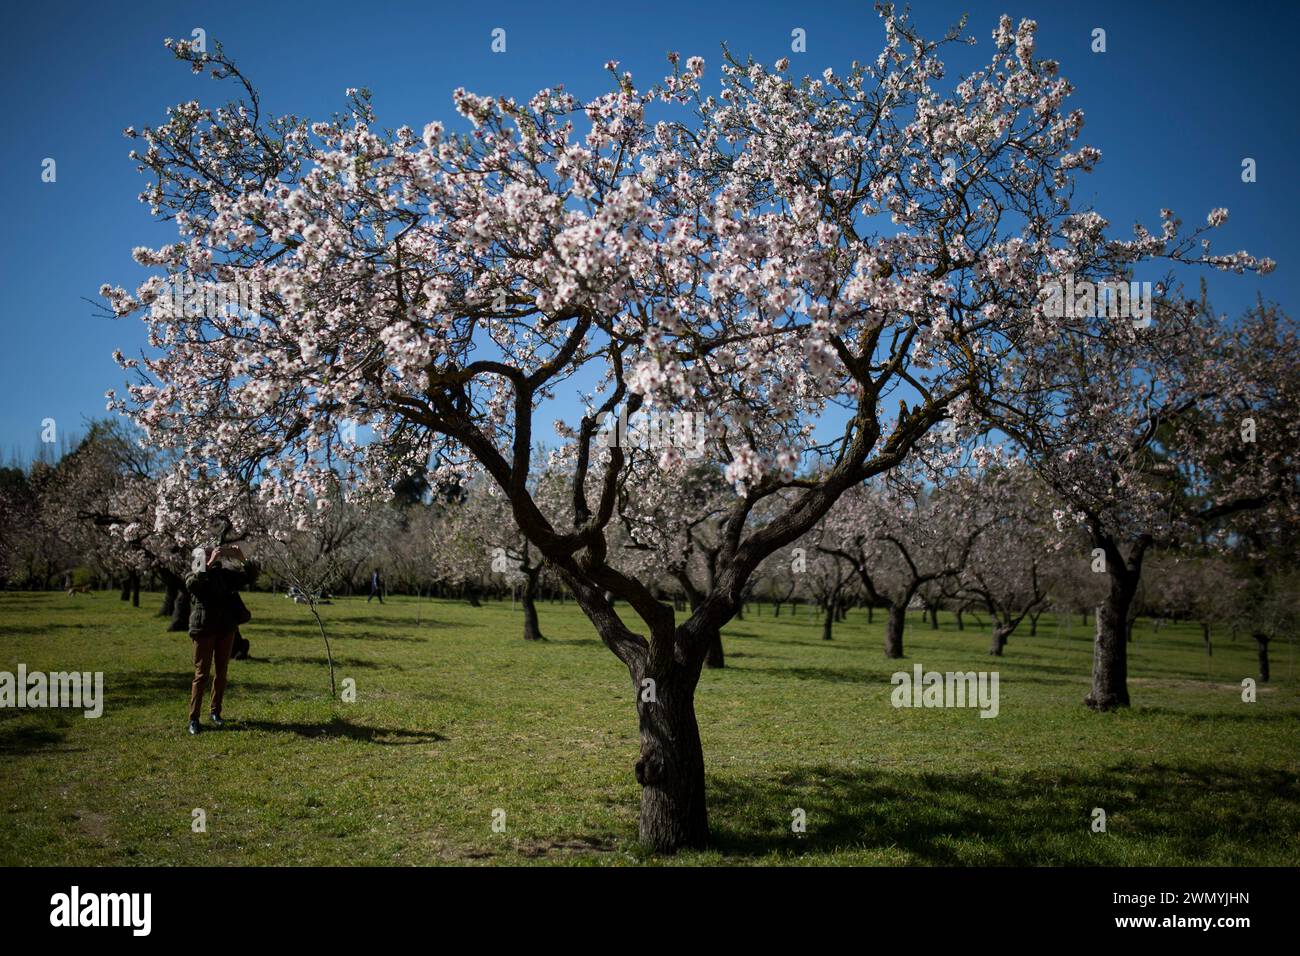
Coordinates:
column 1183, row 93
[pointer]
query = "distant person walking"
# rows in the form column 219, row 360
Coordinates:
column 216, row 612
column 376, row 587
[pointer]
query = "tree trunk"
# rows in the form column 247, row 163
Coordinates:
column 181, row 612
column 934, row 617
column 1109, row 650
column 1033, row 624
column 671, row 765
column 135, row 590
column 1205, row 636
column 894, row 631
column 532, row 630
column 715, row 658
column 169, row 598
column 871, row 613
column 828, row 620
column 126, row 588
column 999, row 639
column 776, row 609
column 961, row 626
column 1261, row 645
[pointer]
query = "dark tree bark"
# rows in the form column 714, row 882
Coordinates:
column 961, row 625
column 1205, row 636
column 1109, row 650
column 1000, row 634
column 715, row 657
column 180, row 612
column 532, row 629
column 169, row 599
column 1033, row 623
column 670, row 769
column 828, row 619
column 870, row 613
column 933, row 609
column 126, row 589
column 1261, row 646
column 135, row 590
column 894, row 631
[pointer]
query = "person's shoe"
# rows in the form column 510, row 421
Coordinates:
column 194, row 727
column 216, row 720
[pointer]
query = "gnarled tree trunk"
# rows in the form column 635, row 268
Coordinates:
column 532, row 629
column 1109, row 651
column 1261, row 645
column 169, row 599
column 671, row 766
column 1000, row 633
column 715, row 658
column 181, row 612
column 894, row 631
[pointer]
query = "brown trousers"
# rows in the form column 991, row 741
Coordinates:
column 206, row 648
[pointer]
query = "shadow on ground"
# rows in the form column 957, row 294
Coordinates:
column 338, row 728
column 949, row 819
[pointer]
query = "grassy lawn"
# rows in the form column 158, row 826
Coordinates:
column 456, row 716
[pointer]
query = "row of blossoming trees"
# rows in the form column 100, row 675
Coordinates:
column 841, row 276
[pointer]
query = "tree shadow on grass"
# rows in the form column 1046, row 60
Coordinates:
column 576, row 641
column 813, row 640
column 366, row 620
column 1186, row 810
column 830, row 675
column 132, row 689
column 1247, row 715
column 28, row 739
column 337, row 728
column 339, row 662
column 373, row 636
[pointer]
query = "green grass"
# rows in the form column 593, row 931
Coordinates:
column 457, row 716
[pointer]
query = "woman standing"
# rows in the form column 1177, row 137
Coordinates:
column 215, row 615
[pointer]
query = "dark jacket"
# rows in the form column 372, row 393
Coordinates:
column 216, row 603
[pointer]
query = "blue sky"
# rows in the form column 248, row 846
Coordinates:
column 1183, row 93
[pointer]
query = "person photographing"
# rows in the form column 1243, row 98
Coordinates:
column 216, row 612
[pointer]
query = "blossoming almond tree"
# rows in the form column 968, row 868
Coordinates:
column 111, row 488
column 900, row 535
column 786, row 254
column 1151, row 436
column 1007, row 569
